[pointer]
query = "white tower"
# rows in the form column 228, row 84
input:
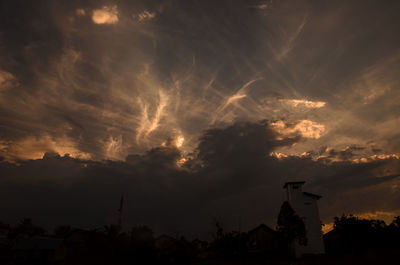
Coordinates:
column 305, row 206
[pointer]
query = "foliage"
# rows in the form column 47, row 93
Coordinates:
column 27, row 228
column 112, row 231
column 62, row 231
column 228, row 244
column 142, row 243
column 291, row 227
column 354, row 234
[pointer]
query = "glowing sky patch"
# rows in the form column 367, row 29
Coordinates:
column 105, row 15
column 309, row 129
column 36, row 147
column 327, row 227
column 179, row 141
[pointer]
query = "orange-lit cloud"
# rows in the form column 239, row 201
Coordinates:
column 145, row 15
column 262, row 6
column 304, row 103
column 179, row 141
column 7, row 80
column 105, row 15
column 278, row 155
column 81, row 12
column 310, row 129
column 113, row 148
column 383, row 215
column 220, row 114
column 176, row 142
column 306, row 128
column 36, row 147
column 180, row 162
column 376, row 157
column 148, row 122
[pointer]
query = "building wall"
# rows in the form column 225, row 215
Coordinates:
column 306, row 207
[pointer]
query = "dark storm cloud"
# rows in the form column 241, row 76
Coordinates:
column 228, row 177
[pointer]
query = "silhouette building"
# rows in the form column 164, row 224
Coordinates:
column 305, row 206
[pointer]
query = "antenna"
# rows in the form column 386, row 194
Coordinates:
column 121, row 206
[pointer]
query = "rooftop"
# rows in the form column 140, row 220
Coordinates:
column 312, row 195
column 293, row 182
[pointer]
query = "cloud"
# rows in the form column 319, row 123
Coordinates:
column 113, row 148
column 7, row 80
column 36, row 147
column 145, row 15
column 81, row 12
column 306, row 128
column 382, row 215
column 304, row 103
column 290, row 42
column 231, row 100
column 229, row 171
column 148, row 124
column 262, row 6
column 86, row 81
column 105, row 15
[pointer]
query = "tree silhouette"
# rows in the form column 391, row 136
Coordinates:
column 291, row 227
column 62, row 231
column 228, row 244
column 396, row 222
column 142, row 242
column 358, row 235
column 112, row 231
column 27, row 228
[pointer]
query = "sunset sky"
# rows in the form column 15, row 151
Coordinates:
column 197, row 110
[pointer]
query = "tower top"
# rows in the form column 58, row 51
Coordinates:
column 293, row 183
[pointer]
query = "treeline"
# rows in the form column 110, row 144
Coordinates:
column 352, row 234
column 28, row 243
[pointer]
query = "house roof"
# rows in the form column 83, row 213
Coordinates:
column 312, row 195
column 261, row 226
column 293, row 182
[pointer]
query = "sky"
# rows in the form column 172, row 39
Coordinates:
column 197, row 111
